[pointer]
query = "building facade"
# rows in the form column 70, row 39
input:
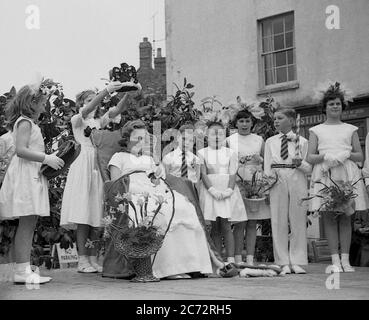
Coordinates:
column 286, row 48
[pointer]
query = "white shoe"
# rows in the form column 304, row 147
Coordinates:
column 333, row 268
column 97, row 267
column 348, row 268
column 297, row 269
column 285, row 270
column 86, row 268
column 30, row 277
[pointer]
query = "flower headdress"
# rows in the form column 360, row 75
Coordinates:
column 331, row 88
column 212, row 110
column 46, row 87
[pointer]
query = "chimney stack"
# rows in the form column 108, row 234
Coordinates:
column 145, row 54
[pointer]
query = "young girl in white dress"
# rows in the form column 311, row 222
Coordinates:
column 185, row 248
column 334, row 145
column 82, row 205
column 250, row 149
column 220, row 198
column 24, row 193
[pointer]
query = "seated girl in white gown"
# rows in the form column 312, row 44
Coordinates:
column 185, row 248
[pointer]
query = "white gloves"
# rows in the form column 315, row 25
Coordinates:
column 330, row 160
column 215, row 193
column 343, row 156
column 220, row 195
column 53, row 161
column 227, row 193
column 333, row 160
column 114, row 86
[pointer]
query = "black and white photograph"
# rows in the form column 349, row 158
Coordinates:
column 184, row 155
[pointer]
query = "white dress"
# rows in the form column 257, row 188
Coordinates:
column 25, row 190
column 185, row 247
column 246, row 146
column 7, row 150
column 83, row 194
column 220, row 165
column 333, row 139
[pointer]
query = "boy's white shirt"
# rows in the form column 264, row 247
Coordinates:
column 272, row 153
column 173, row 162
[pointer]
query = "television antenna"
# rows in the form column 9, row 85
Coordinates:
column 153, row 34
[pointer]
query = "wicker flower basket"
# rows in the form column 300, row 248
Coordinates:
column 254, row 203
column 140, row 256
column 140, row 253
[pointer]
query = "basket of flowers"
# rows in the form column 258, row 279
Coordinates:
column 143, row 234
column 254, row 191
column 336, row 196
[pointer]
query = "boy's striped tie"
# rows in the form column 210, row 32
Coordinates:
column 284, row 147
column 184, row 165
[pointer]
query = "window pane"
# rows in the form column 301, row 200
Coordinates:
column 267, row 44
column 281, row 74
column 268, row 77
column 288, row 22
column 267, row 28
column 291, row 73
column 289, row 39
column 280, row 59
column 290, row 57
column 268, row 61
column 278, row 26
column 279, row 42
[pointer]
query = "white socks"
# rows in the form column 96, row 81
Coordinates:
column 230, row 260
column 238, row 258
column 250, row 260
column 83, row 260
column 94, row 263
column 345, row 259
column 24, row 267
column 336, row 259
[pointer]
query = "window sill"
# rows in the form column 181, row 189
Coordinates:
column 279, row 87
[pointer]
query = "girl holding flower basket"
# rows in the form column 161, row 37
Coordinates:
column 250, row 149
column 334, row 148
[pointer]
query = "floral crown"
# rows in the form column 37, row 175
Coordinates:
column 212, row 110
column 330, row 88
column 46, row 87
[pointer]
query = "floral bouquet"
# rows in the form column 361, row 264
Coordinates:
column 254, row 191
column 145, row 229
column 259, row 185
column 337, row 197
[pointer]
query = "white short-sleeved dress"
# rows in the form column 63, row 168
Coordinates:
column 83, row 194
column 185, row 247
column 25, row 190
column 220, row 164
column 249, row 145
column 333, row 139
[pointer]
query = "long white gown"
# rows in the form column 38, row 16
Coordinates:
column 185, row 247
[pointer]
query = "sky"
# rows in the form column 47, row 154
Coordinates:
column 77, row 41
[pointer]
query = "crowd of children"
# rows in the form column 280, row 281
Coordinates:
column 214, row 171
